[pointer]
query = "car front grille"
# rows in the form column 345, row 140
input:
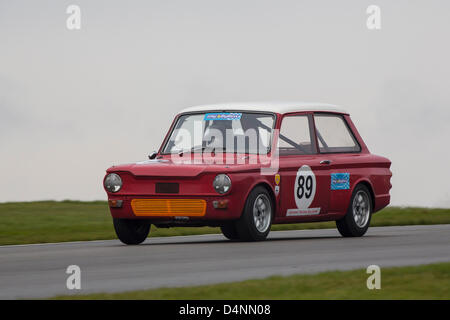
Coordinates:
column 169, row 207
column 164, row 187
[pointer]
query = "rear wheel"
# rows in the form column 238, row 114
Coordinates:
column 131, row 231
column 256, row 220
column 357, row 219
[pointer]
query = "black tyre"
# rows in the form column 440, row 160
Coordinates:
column 256, row 220
column 131, row 231
column 229, row 231
column 357, row 219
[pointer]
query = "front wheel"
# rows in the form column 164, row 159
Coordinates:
column 229, row 231
column 357, row 219
column 256, row 220
column 131, row 231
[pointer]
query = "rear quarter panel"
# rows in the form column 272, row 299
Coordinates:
column 371, row 170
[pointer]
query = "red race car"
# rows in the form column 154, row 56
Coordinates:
column 245, row 166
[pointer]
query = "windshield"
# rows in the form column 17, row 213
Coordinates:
column 233, row 132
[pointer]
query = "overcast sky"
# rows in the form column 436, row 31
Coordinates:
column 72, row 103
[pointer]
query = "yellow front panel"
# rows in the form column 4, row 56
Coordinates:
column 169, row 207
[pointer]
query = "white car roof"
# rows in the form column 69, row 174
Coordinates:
column 277, row 107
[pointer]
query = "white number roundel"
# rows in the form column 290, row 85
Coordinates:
column 304, row 187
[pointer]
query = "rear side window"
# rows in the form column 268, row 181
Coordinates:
column 295, row 136
column 334, row 135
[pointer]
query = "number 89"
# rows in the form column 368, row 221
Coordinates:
column 304, row 184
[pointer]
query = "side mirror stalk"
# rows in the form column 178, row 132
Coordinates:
column 152, row 155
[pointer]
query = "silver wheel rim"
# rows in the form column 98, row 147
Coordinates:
column 262, row 213
column 361, row 208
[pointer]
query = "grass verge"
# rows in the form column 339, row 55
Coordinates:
column 418, row 282
column 49, row 221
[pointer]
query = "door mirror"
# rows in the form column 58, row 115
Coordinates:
column 152, row 155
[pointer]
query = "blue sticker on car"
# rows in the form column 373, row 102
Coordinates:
column 340, row 181
column 223, row 116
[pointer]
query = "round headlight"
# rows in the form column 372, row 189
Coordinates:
column 222, row 183
column 113, row 183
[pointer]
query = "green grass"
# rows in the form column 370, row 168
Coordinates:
column 418, row 282
column 49, row 221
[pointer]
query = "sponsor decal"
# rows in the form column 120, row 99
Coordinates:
column 302, row 212
column 223, row 116
column 277, row 190
column 304, row 192
column 277, row 184
column 340, row 181
column 277, row 179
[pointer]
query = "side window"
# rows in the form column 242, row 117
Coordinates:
column 334, row 135
column 295, row 136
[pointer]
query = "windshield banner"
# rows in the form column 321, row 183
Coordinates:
column 223, row 116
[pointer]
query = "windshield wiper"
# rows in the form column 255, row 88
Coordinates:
column 201, row 148
column 193, row 149
column 197, row 148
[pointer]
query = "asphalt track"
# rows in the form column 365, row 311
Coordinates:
column 38, row 271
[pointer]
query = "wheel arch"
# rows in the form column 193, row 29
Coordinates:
column 368, row 185
column 269, row 189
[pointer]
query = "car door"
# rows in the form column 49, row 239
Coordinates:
column 338, row 145
column 304, row 177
